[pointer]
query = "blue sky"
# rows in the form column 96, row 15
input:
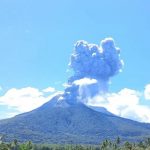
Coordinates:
column 37, row 38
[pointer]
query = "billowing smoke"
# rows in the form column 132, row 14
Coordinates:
column 95, row 63
column 93, row 66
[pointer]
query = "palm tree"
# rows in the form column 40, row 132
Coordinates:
column 128, row 146
column 118, row 140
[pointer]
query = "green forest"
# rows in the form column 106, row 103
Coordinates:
column 105, row 145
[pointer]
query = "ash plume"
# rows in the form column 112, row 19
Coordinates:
column 96, row 62
column 91, row 62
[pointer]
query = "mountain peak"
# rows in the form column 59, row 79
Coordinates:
column 61, row 121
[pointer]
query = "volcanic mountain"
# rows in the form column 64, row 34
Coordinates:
column 61, row 121
column 66, row 118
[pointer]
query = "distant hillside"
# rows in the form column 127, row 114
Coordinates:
column 59, row 121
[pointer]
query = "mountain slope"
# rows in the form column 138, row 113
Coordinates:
column 101, row 109
column 58, row 121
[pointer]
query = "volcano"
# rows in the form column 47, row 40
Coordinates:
column 67, row 118
column 60, row 121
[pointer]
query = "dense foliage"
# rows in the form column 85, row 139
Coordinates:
column 105, row 145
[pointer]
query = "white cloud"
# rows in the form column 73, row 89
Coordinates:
column 49, row 90
column 23, row 100
column 125, row 103
column 137, row 112
column 85, row 81
column 124, row 97
column 147, row 92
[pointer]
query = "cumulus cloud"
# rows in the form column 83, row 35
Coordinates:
column 49, row 90
column 125, row 103
column 147, row 92
column 24, row 99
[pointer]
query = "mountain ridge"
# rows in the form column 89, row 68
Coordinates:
column 59, row 121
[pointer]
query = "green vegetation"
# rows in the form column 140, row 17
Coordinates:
column 105, row 145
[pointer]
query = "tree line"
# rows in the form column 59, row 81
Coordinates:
column 105, row 145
